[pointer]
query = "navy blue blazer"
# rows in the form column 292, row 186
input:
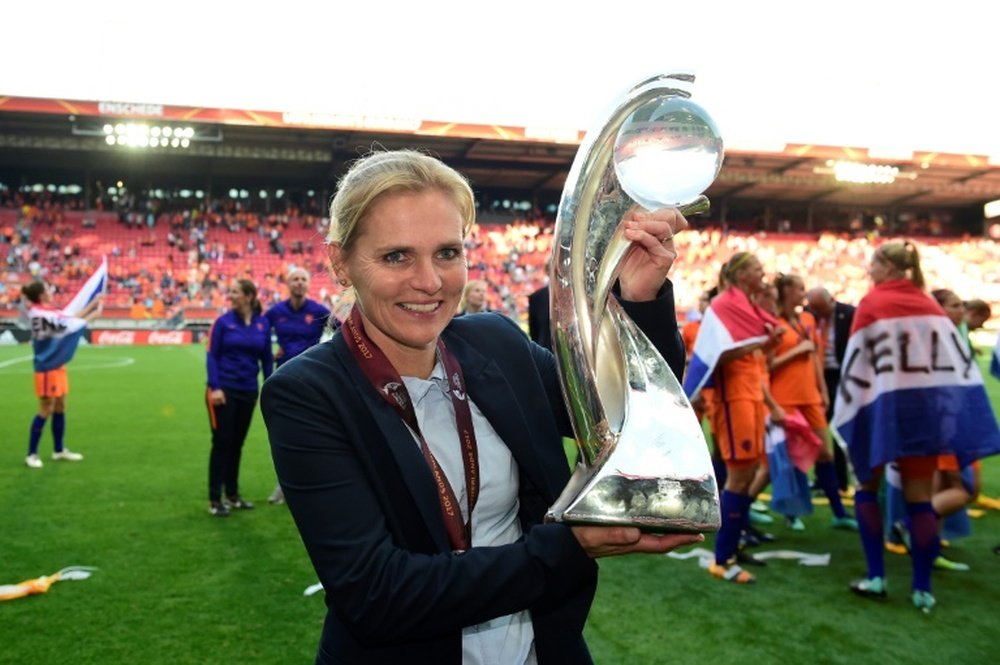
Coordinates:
column 843, row 319
column 366, row 505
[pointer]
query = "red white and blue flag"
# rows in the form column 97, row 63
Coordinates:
column 730, row 322
column 56, row 333
column 909, row 385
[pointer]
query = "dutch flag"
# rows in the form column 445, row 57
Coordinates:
column 55, row 333
column 909, row 385
column 995, row 360
column 730, row 322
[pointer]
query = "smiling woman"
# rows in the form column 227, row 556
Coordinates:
column 408, row 271
column 419, row 451
column 239, row 348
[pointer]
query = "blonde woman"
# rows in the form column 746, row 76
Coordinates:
column 473, row 298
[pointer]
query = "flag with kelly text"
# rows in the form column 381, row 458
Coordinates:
column 909, row 386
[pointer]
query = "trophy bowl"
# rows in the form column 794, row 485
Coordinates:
column 643, row 457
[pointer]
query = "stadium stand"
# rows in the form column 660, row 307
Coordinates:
column 172, row 267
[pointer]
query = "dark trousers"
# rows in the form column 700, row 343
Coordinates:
column 832, row 377
column 230, row 423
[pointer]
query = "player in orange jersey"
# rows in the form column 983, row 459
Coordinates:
column 797, row 384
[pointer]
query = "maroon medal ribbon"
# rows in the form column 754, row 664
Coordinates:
column 386, row 380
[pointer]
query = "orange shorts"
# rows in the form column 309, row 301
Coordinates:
column 54, row 383
column 917, row 468
column 704, row 408
column 814, row 414
column 738, row 427
column 947, row 463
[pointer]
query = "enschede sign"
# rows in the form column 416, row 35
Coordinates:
column 137, row 337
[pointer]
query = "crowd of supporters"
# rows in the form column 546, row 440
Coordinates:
column 163, row 258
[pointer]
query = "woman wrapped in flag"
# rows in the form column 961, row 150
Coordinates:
column 727, row 354
column 910, row 390
column 55, row 335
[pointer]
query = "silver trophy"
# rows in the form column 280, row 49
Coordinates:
column 643, row 457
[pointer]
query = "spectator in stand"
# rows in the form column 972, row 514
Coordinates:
column 428, row 554
column 138, row 310
column 54, row 337
column 298, row 323
column 239, row 347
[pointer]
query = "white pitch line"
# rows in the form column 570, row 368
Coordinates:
column 120, row 362
column 14, row 361
column 77, row 366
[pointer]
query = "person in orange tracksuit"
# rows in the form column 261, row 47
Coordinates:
column 797, row 384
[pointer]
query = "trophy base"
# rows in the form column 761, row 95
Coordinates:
column 653, row 505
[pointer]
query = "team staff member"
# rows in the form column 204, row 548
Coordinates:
column 298, row 323
column 53, row 348
column 833, row 325
column 239, row 347
column 419, row 451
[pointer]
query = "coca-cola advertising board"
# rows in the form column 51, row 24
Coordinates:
column 139, row 337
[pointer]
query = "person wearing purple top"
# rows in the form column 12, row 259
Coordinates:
column 298, row 323
column 239, row 347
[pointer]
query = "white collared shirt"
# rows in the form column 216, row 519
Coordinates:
column 510, row 638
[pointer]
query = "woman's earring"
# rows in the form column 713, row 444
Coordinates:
column 343, row 281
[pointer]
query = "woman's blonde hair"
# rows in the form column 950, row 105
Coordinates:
column 904, row 257
column 736, row 263
column 782, row 283
column 387, row 172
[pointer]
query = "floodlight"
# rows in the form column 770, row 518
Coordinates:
column 992, row 209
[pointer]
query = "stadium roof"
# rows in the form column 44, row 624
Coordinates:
column 65, row 136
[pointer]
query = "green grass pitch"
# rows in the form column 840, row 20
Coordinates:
column 177, row 586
